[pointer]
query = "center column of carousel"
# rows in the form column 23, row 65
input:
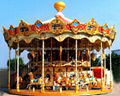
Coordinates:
column 43, row 60
column 76, row 49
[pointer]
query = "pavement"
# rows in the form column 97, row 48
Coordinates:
column 116, row 91
column 2, row 93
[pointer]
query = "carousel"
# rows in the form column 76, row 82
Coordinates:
column 60, row 54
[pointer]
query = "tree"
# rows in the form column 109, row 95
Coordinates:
column 115, row 66
column 13, row 63
column 96, row 62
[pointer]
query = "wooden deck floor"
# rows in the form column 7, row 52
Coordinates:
column 58, row 93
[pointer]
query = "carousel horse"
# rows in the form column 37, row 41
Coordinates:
column 55, row 76
column 40, row 80
column 55, row 80
column 92, row 82
column 97, row 84
column 68, row 83
column 34, row 81
column 73, row 81
column 82, row 80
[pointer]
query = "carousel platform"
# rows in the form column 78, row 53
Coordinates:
column 57, row 93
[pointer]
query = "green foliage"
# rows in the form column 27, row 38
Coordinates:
column 13, row 63
column 96, row 62
column 115, row 66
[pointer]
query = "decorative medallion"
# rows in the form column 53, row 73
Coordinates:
column 92, row 26
column 106, row 29
column 24, row 28
column 38, row 24
column 57, row 26
column 75, row 26
column 11, row 30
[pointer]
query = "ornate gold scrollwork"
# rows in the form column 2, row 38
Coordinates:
column 11, row 30
column 57, row 26
column 112, row 32
column 92, row 27
column 106, row 29
column 75, row 26
column 24, row 28
column 38, row 25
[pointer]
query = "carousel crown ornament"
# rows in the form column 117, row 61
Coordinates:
column 60, row 51
column 59, row 6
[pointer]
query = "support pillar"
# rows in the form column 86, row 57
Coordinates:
column 18, row 58
column 76, row 49
column 43, row 60
column 105, row 72
column 111, row 83
column 102, row 69
column 15, row 61
column 9, row 69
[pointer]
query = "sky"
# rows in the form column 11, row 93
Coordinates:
column 12, row 11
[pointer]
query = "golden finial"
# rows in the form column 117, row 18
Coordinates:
column 59, row 6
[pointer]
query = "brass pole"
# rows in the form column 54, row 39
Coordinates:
column 18, row 86
column 60, row 55
column 111, row 83
column 105, row 67
column 102, row 69
column 43, row 61
column 9, row 69
column 76, row 49
column 76, row 56
column 15, row 61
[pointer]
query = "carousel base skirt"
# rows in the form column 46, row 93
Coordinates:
column 54, row 93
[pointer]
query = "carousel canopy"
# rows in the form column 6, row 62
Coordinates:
column 60, row 28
